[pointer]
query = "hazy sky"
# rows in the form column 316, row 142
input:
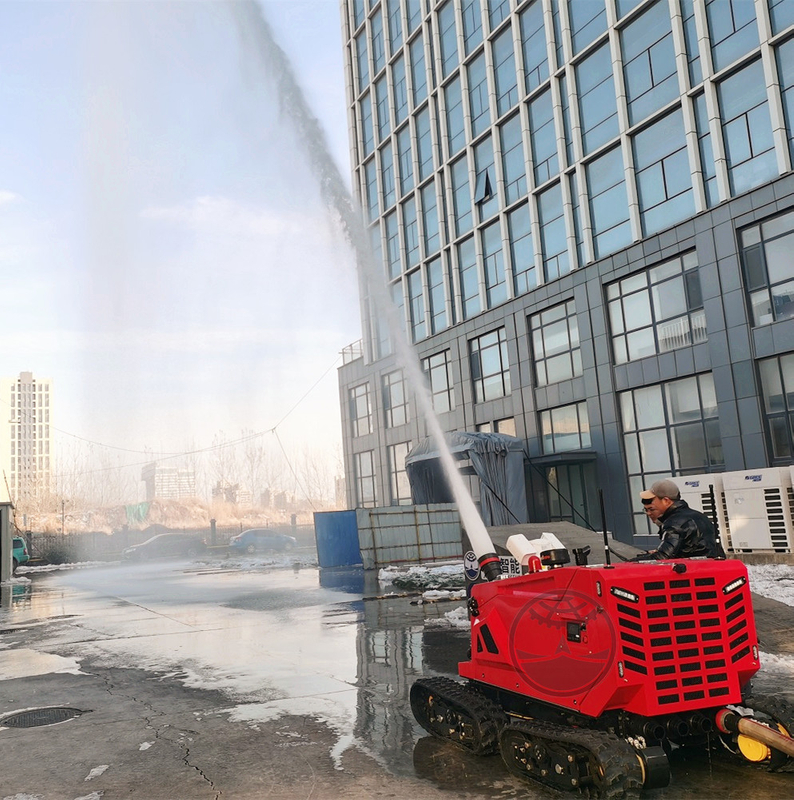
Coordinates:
column 164, row 255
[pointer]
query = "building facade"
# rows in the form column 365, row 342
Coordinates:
column 584, row 211
column 168, row 483
column 26, row 449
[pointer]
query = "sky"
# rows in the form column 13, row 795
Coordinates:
column 165, row 257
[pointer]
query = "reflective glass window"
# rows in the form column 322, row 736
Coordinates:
column 405, row 160
column 438, row 371
column 513, row 164
column 398, row 476
column 533, row 46
column 448, row 36
column 588, row 20
column 461, row 196
column 609, row 205
column 395, row 25
column 553, row 238
column 505, row 72
column 472, row 24
column 649, row 62
column 387, row 175
column 411, row 233
column 400, row 89
column 392, row 230
column 416, row 306
column 360, row 410
column 367, row 128
column 456, row 130
column 664, row 183
column 597, row 108
column 418, row 71
column 485, row 195
column 493, row 265
column 497, row 11
column 362, row 60
column 382, row 105
column 565, row 428
column 556, row 353
column 432, row 238
column 777, row 392
column 469, row 279
column 781, row 14
column 378, row 43
column 413, row 10
column 522, row 252
column 364, row 468
column 705, row 151
column 691, row 42
column 543, row 138
column 490, row 366
column 395, row 399
column 371, row 181
column 785, row 65
column 747, row 128
column 437, row 295
column 424, row 143
column 732, row 28
column 478, row 95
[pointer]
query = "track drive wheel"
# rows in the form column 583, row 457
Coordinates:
column 454, row 712
column 778, row 714
column 589, row 763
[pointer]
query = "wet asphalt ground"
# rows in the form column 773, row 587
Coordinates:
column 238, row 680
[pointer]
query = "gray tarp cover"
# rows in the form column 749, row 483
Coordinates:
column 498, row 461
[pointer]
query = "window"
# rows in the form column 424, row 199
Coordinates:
column 438, row 372
column 747, row 128
column 411, row 233
column 478, row 96
column 494, row 265
column 513, row 165
column 430, row 230
column 456, row 131
column 395, row 400
column 472, row 24
column 489, row 365
column 485, row 196
column 670, row 430
column 658, row 310
column 371, row 181
column 588, row 20
column 777, row 390
column 364, row 467
column 378, row 43
column 565, row 428
column 418, row 71
column 392, row 245
column 552, row 233
column 497, row 11
column 362, row 62
column 461, row 196
column 555, row 344
column 522, row 254
column 413, row 9
column 360, row 410
column 691, row 42
column 387, row 175
column 382, row 106
column 395, row 24
column 416, row 302
column 785, row 65
column 405, row 159
column 469, row 279
column 399, row 484
column 358, row 12
column 732, row 28
column 424, row 143
column 543, row 138
column 448, row 37
column 505, row 72
column 664, row 183
column 437, row 295
column 400, row 89
column 576, row 213
column 367, row 130
column 533, row 45
column 649, row 62
column 597, row 108
column 768, row 268
column 705, row 151
column 609, row 205
column 781, row 13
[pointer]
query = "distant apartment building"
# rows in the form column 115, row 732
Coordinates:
column 584, row 211
column 168, row 483
column 26, row 452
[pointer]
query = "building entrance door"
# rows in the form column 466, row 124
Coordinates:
column 567, row 494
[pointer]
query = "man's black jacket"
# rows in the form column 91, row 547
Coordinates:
column 686, row 533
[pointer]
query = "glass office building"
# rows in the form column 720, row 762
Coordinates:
column 584, row 211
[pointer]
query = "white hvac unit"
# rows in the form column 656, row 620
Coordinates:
column 759, row 503
column 704, row 493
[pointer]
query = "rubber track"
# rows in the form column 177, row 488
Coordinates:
column 622, row 774
column 486, row 717
column 781, row 712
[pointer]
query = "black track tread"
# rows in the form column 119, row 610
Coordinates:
column 622, row 773
column 486, row 717
column 782, row 712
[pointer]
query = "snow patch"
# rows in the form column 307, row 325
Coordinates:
column 145, row 745
column 97, row 771
column 774, row 581
column 419, row 576
column 457, row 618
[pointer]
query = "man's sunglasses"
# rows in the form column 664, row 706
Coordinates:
column 648, row 501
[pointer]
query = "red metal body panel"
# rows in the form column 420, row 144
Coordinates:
column 642, row 637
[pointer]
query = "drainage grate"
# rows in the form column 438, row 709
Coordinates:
column 36, row 717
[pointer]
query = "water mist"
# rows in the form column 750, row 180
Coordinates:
column 258, row 37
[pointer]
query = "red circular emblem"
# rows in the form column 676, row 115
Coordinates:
column 562, row 642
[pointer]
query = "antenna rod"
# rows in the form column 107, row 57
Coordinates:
column 607, row 558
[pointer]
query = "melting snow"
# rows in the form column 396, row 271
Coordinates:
column 97, row 771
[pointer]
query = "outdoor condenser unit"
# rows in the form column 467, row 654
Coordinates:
column 759, row 504
column 695, row 491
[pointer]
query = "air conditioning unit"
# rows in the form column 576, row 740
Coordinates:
column 704, row 493
column 759, row 504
